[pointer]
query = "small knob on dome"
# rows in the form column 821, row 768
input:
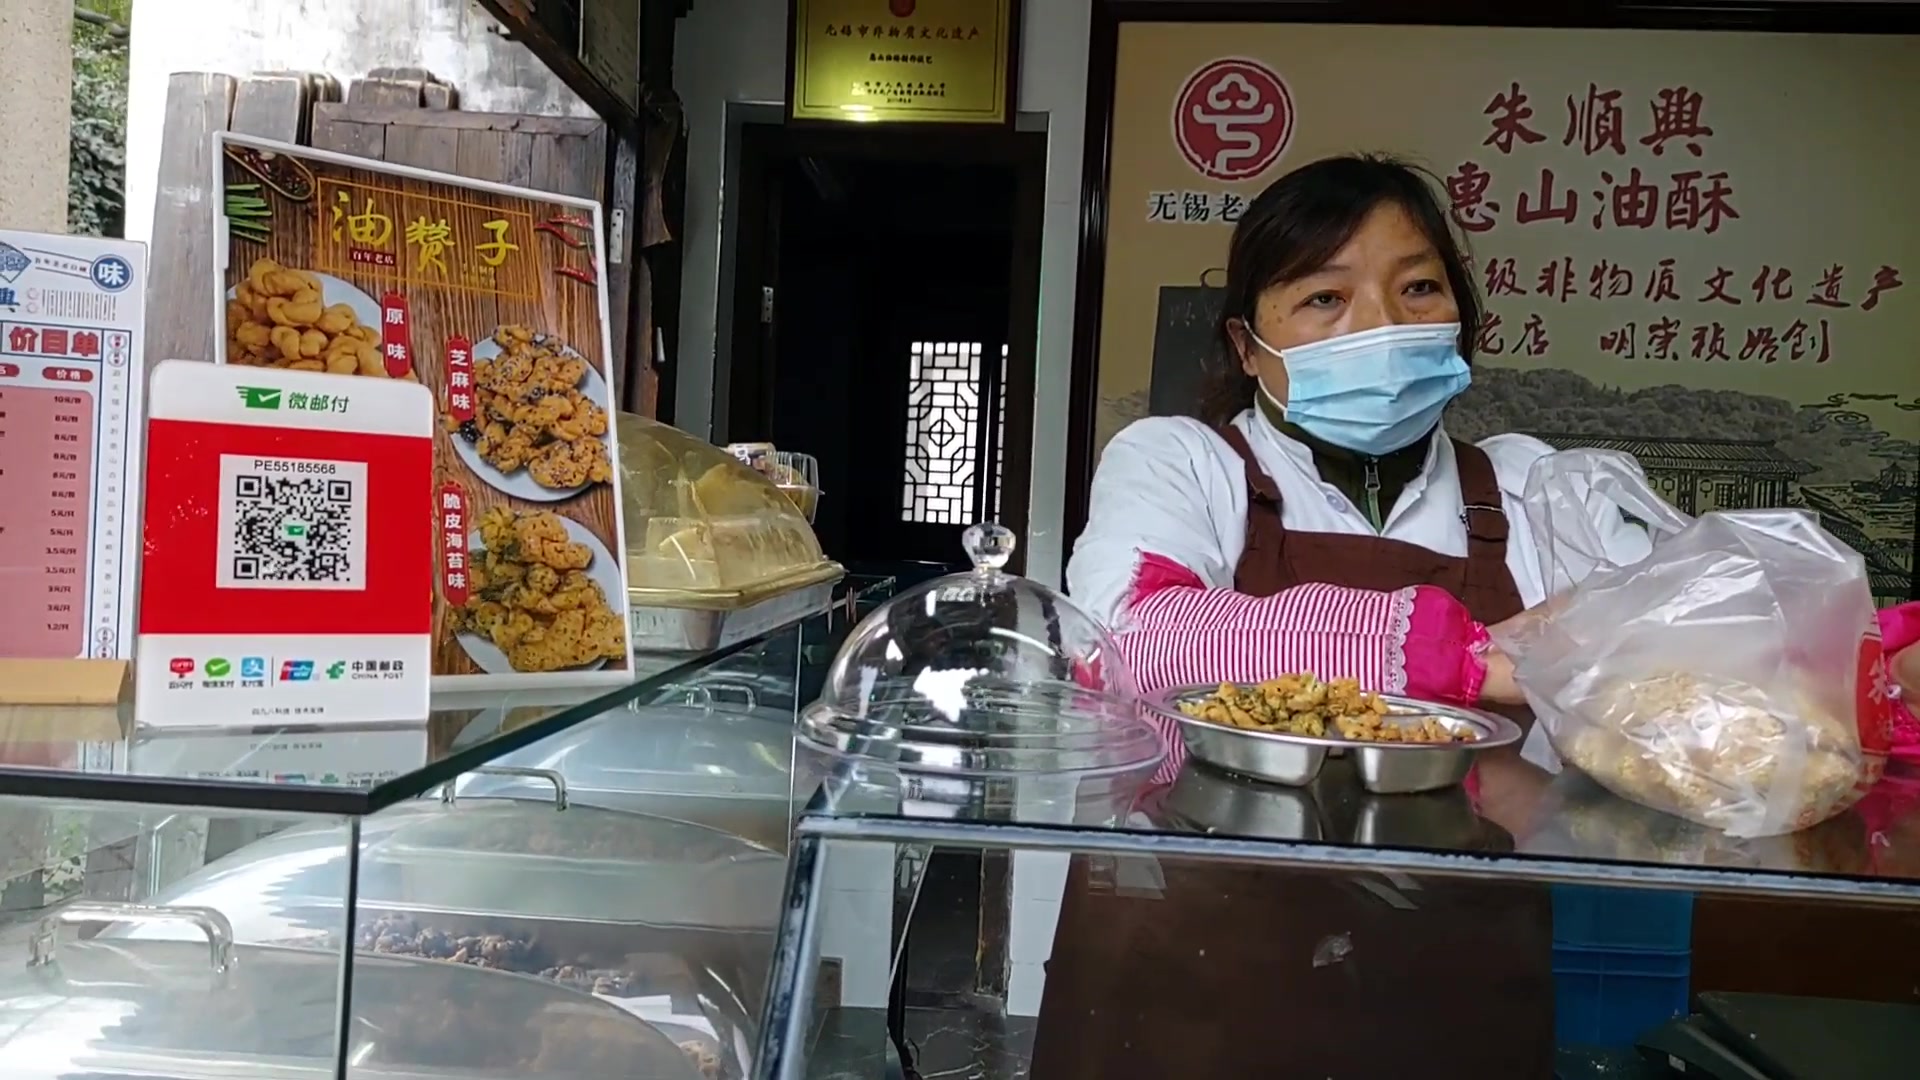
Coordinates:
column 988, row 545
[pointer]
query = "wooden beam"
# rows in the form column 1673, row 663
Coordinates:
column 563, row 60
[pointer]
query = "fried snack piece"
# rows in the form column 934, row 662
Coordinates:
column 529, row 593
column 530, row 413
column 1301, row 704
column 277, row 318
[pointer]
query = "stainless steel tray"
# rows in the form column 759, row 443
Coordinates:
column 692, row 630
column 1383, row 768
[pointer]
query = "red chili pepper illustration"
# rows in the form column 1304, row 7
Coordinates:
column 550, row 229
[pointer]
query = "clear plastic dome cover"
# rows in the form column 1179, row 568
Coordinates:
column 983, row 673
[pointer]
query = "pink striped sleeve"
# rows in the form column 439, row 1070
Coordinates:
column 1417, row 641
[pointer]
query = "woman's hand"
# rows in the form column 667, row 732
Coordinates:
column 1500, row 687
column 1905, row 666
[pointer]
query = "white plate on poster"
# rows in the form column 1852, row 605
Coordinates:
column 366, row 310
column 605, row 573
column 520, row 483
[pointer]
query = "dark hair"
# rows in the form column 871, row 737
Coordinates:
column 1299, row 223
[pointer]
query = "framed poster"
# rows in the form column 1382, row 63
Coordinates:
column 1694, row 246
column 903, row 61
column 494, row 298
column 71, row 313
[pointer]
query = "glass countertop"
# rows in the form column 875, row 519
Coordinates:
column 1520, row 821
column 99, row 754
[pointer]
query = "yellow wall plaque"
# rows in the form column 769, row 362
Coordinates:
column 931, row 61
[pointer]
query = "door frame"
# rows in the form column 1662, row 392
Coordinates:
column 757, row 142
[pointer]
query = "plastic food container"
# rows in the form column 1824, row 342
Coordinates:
column 704, row 529
column 980, row 695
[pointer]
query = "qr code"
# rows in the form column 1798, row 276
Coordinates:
column 292, row 523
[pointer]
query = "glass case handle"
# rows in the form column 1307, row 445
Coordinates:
column 704, row 694
column 559, row 782
column 218, row 930
column 747, row 696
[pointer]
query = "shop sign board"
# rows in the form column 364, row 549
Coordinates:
column 494, row 299
column 1693, row 246
column 928, row 61
column 71, row 312
column 287, row 576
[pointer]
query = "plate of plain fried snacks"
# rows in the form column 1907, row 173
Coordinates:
column 1302, row 705
column 540, row 423
column 300, row 320
column 537, row 594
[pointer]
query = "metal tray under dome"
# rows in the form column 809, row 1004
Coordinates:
column 208, row 1009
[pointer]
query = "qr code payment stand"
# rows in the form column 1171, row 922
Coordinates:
column 289, row 566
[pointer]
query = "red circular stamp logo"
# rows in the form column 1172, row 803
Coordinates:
column 1233, row 118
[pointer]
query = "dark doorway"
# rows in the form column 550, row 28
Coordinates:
column 885, row 308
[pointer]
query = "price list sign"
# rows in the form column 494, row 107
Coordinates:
column 70, row 383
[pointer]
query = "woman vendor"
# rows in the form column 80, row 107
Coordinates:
column 1315, row 518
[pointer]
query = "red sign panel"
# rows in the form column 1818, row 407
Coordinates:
column 395, row 342
column 460, row 378
column 452, row 526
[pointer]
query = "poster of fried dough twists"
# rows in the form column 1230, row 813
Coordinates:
column 494, row 299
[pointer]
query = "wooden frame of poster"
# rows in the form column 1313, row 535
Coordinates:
column 904, row 60
column 495, row 298
column 1109, row 16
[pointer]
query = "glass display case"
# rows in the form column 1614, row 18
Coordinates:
column 567, row 884
column 1116, row 920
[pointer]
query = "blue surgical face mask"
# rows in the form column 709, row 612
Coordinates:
column 1375, row 391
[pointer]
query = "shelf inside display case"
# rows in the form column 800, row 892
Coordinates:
column 354, row 770
column 1516, row 821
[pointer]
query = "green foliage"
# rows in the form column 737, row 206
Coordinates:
column 96, row 181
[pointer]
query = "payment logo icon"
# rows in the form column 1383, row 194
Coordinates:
column 181, row 665
column 218, row 668
column 336, row 669
column 296, row 670
column 253, row 667
column 260, row 397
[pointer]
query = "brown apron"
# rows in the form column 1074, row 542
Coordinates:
column 1222, row 970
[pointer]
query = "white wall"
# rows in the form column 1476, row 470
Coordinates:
column 734, row 51
column 454, row 39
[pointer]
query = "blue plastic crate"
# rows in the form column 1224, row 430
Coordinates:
column 1590, row 917
column 1609, row 998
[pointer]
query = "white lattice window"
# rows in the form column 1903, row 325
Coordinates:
column 943, row 421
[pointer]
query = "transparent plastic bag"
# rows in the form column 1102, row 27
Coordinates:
column 1726, row 678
